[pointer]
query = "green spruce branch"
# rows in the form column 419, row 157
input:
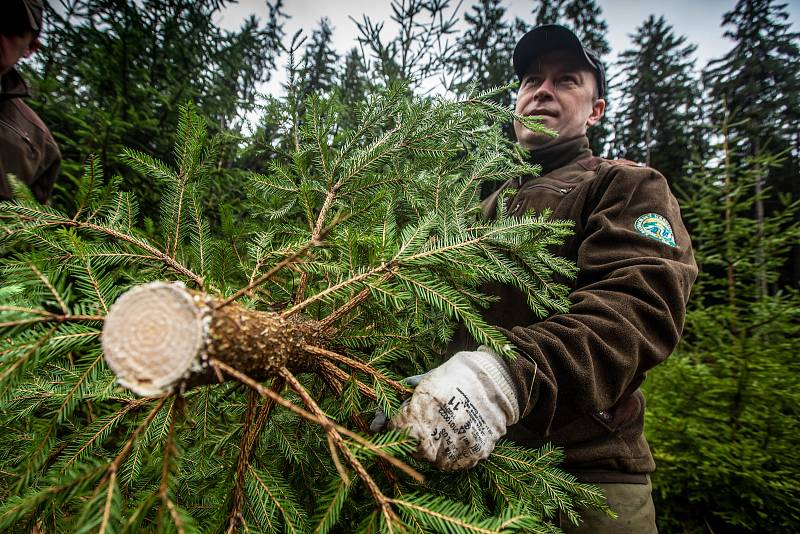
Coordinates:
column 370, row 239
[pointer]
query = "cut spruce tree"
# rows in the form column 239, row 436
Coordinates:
column 245, row 363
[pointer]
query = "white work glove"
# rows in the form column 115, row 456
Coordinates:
column 460, row 409
column 380, row 421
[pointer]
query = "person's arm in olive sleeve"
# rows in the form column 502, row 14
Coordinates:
column 627, row 312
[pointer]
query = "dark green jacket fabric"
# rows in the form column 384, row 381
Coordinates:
column 580, row 374
column 27, row 149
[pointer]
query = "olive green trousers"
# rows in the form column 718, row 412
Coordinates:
column 633, row 504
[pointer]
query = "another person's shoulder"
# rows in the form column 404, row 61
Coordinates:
column 25, row 116
column 26, row 122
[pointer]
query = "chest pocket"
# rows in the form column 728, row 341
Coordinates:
column 538, row 197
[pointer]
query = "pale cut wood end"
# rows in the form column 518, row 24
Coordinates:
column 154, row 337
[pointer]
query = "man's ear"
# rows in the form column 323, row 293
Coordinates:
column 598, row 108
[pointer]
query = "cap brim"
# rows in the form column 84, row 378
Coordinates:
column 33, row 21
column 544, row 39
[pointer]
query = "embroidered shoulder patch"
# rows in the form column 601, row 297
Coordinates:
column 656, row 227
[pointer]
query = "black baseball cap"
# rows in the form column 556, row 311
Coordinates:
column 549, row 37
column 21, row 16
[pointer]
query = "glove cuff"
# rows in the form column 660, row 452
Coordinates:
column 497, row 369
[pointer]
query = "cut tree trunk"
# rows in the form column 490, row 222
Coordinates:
column 159, row 337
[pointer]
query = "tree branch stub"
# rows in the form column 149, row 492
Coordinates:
column 159, row 337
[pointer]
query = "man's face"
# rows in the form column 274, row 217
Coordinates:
column 561, row 89
column 14, row 47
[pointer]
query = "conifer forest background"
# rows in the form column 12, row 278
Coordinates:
column 330, row 206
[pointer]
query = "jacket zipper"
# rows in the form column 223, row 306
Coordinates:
column 18, row 132
column 562, row 190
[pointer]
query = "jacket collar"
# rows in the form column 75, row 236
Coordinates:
column 13, row 86
column 561, row 154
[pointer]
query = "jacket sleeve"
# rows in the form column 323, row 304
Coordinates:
column 43, row 185
column 627, row 310
column 49, row 162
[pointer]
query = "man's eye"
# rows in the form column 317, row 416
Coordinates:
column 569, row 79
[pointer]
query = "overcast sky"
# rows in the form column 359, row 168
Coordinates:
column 698, row 20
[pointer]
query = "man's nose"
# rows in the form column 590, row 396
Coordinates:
column 545, row 90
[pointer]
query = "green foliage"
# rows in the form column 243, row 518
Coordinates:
column 376, row 228
column 418, row 51
column 113, row 74
column 109, row 81
column 758, row 82
column 757, row 79
column 657, row 116
column 483, row 56
column 723, row 410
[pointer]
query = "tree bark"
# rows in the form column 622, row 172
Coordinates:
column 159, row 337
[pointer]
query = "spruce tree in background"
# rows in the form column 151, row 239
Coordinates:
column 723, row 414
column 548, row 12
column 353, row 88
column 420, row 50
column 482, row 57
column 758, row 81
column 113, row 74
column 657, row 113
column 585, row 18
column 368, row 244
column 319, row 63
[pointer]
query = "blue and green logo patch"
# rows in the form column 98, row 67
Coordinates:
column 655, row 227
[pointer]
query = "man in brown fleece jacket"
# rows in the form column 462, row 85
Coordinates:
column 27, row 149
column 576, row 383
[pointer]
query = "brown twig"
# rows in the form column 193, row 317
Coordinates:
column 117, row 461
column 337, row 387
column 24, row 310
column 330, row 428
column 348, row 306
column 254, row 424
column 165, row 258
column 334, row 372
column 53, row 318
column 95, row 286
column 269, row 274
column 46, row 281
column 163, row 488
column 361, row 366
column 41, row 341
column 325, row 292
column 182, row 181
column 266, row 392
column 337, row 462
column 109, row 500
column 241, row 461
column 316, row 233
